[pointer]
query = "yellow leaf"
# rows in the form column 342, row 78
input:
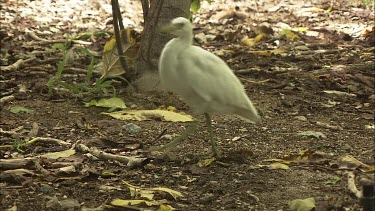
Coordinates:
column 121, row 202
column 110, row 45
column 300, row 29
column 289, row 34
column 258, row 38
column 130, row 45
column 143, row 115
column 302, row 204
column 365, row 55
column 268, row 52
column 330, row 7
column 204, row 163
column 278, row 166
column 61, row 154
column 141, row 193
column 349, row 162
column 248, row 41
column 175, row 194
column 165, row 208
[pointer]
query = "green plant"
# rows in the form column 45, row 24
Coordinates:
column 84, row 87
column 54, row 80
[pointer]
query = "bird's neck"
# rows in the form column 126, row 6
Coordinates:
column 185, row 40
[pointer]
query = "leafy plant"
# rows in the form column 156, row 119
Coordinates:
column 54, row 80
column 84, row 87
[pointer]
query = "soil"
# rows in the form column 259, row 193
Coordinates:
column 291, row 90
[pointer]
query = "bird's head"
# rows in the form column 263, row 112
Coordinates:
column 179, row 27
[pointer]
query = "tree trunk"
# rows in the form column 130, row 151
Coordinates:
column 159, row 13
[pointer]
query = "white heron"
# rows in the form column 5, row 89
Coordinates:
column 202, row 79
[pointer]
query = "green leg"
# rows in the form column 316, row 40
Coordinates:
column 213, row 143
column 191, row 129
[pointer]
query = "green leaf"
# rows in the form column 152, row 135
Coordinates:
column 59, row 46
column 101, row 34
column 83, row 36
column 113, row 102
column 333, row 181
column 20, row 109
column 195, row 5
column 60, row 68
column 70, row 87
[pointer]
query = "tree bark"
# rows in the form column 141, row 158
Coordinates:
column 159, row 13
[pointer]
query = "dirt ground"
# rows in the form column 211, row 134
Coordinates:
column 316, row 98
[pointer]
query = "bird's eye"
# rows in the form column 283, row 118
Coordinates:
column 180, row 25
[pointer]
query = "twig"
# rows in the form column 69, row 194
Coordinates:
column 34, row 36
column 17, row 163
column 79, row 42
column 37, row 139
column 6, row 99
column 17, row 64
column 49, row 141
column 120, row 51
column 160, row 135
column 351, row 185
column 255, row 82
column 45, row 41
column 129, row 161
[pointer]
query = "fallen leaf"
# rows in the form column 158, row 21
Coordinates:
column 302, row 204
column 175, row 194
column 165, row 208
column 144, row 115
column 61, row 154
column 314, row 134
column 333, row 181
column 20, row 109
column 121, row 202
column 206, row 162
column 248, row 41
column 289, row 34
column 113, row 102
column 268, row 52
column 111, row 65
column 279, row 166
column 349, row 162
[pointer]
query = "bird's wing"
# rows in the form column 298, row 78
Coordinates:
column 211, row 78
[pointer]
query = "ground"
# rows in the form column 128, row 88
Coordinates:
column 315, row 96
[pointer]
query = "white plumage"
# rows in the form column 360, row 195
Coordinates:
column 203, row 80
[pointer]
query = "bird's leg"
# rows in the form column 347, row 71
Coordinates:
column 209, row 124
column 191, row 129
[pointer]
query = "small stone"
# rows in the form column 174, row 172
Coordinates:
column 68, row 170
column 132, row 128
column 150, row 166
column 44, row 188
column 169, row 137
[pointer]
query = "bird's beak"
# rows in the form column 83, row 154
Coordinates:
column 167, row 28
